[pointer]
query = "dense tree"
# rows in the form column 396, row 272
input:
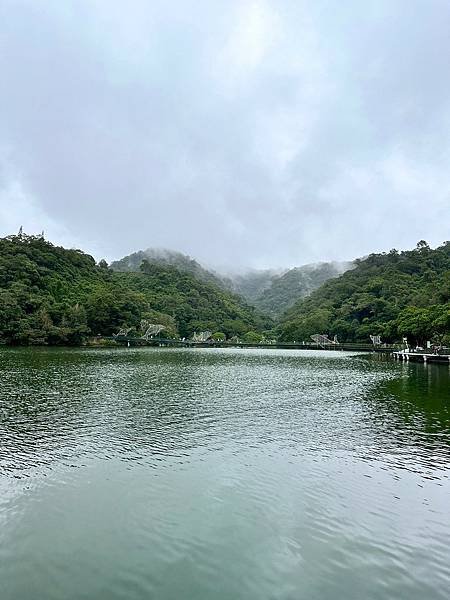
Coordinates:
column 286, row 289
column 393, row 295
column 163, row 257
column 252, row 337
column 218, row 336
column 51, row 295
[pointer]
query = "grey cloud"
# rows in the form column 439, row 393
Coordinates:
column 260, row 133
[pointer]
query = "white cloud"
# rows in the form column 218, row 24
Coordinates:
column 256, row 29
column 236, row 131
column 19, row 209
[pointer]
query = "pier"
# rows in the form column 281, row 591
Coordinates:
column 442, row 356
column 126, row 340
column 423, row 357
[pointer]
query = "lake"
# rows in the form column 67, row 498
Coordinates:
column 212, row 474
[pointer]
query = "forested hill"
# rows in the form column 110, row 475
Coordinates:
column 51, row 295
column 286, row 289
column 269, row 291
column 165, row 257
column 393, row 295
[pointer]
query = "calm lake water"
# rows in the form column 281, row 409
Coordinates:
column 222, row 474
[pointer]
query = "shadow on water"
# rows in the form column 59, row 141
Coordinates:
column 410, row 412
column 419, row 392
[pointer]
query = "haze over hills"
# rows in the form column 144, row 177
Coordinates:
column 163, row 256
column 271, row 291
column 285, row 289
column 393, row 294
column 52, row 295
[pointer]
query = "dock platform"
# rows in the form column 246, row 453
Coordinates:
column 423, row 357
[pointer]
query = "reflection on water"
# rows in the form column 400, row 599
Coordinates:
column 156, row 473
column 411, row 412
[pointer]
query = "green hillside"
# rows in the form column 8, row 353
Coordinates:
column 392, row 294
column 51, row 295
column 269, row 291
column 284, row 290
column 164, row 257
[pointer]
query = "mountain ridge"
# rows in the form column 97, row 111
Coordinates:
column 270, row 290
column 391, row 294
column 298, row 282
column 53, row 295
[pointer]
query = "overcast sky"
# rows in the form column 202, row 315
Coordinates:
column 259, row 133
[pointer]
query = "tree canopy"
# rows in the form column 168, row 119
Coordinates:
column 392, row 294
column 52, row 295
column 284, row 290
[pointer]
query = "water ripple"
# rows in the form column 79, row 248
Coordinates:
column 228, row 474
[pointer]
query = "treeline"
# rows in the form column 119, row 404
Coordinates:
column 52, row 295
column 297, row 283
column 164, row 257
column 394, row 295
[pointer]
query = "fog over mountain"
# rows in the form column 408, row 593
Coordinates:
column 164, row 256
column 266, row 134
column 270, row 291
column 286, row 289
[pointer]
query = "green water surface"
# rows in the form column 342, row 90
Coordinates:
column 222, row 474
